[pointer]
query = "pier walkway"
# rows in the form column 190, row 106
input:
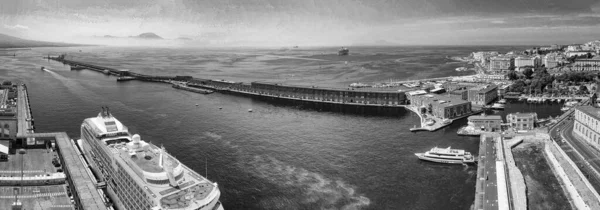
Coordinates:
column 79, row 179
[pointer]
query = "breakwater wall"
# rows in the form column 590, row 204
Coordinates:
column 307, row 93
column 344, row 100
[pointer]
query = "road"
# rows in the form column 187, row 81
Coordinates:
column 490, row 198
column 590, row 163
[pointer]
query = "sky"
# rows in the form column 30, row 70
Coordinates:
column 305, row 22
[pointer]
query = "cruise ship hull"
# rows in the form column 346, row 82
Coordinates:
column 438, row 160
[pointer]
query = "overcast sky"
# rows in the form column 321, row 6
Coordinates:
column 309, row 22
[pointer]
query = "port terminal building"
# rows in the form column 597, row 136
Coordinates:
column 441, row 106
column 483, row 95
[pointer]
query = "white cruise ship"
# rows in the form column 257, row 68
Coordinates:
column 447, row 155
column 140, row 175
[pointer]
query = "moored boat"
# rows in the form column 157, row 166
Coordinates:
column 447, row 155
column 498, row 106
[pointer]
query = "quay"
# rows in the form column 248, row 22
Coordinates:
column 183, row 86
column 39, row 170
column 378, row 98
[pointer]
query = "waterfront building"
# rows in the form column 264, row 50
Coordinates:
column 501, row 63
column 522, row 121
column 483, row 95
column 489, row 123
column 444, row 107
column 461, row 93
column 525, row 61
column 140, row 175
column 590, row 64
column 586, row 124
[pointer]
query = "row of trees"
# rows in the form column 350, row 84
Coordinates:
column 540, row 81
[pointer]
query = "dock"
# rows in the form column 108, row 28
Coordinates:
column 42, row 170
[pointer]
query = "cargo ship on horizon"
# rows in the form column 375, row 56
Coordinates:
column 140, row 175
column 343, row 51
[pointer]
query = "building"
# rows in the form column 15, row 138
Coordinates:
column 490, row 77
column 572, row 48
column 581, row 53
column 522, row 121
column 550, row 61
column 586, row 124
column 501, row 64
column 462, row 94
column 440, row 106
column 525, row 61
column 590, row 64
column 483, row 57
column 483, row 95
column 502, row 90
column 489, row 123
column 8, row 112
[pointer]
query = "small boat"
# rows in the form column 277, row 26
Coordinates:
column 502, row 101
column 497, row 106
column 106, row 72
column 125, row 78
column 249, row 110
column 429, row 122
column 196, row 104
column 446, row 155
column 220, row 107
column 565, row 108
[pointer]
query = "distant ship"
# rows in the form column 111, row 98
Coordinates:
column 140, row 175
column 448, row 155
column 343, row 51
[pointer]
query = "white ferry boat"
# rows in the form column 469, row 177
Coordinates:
column 447, row 155
column 140, row 175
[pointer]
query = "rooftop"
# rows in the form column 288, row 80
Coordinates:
column 485, row 117
column 484, row 88
column 518, row 114
column 441, row 100
column 370, row 90
column 590, row 110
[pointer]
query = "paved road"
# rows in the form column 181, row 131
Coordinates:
column 591, row 157
column 490, row 198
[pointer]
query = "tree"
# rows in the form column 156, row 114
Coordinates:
column 583, row 89
column 512, row 75
column 528, row 72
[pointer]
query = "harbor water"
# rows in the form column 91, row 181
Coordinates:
column 278, row 156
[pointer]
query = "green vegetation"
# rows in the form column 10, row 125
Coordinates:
column 540, row 81
column 543, row 189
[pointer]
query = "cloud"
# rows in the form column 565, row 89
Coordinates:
column 17, row 27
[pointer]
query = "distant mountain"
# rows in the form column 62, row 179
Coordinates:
column 148, row 35
column 7, row 41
